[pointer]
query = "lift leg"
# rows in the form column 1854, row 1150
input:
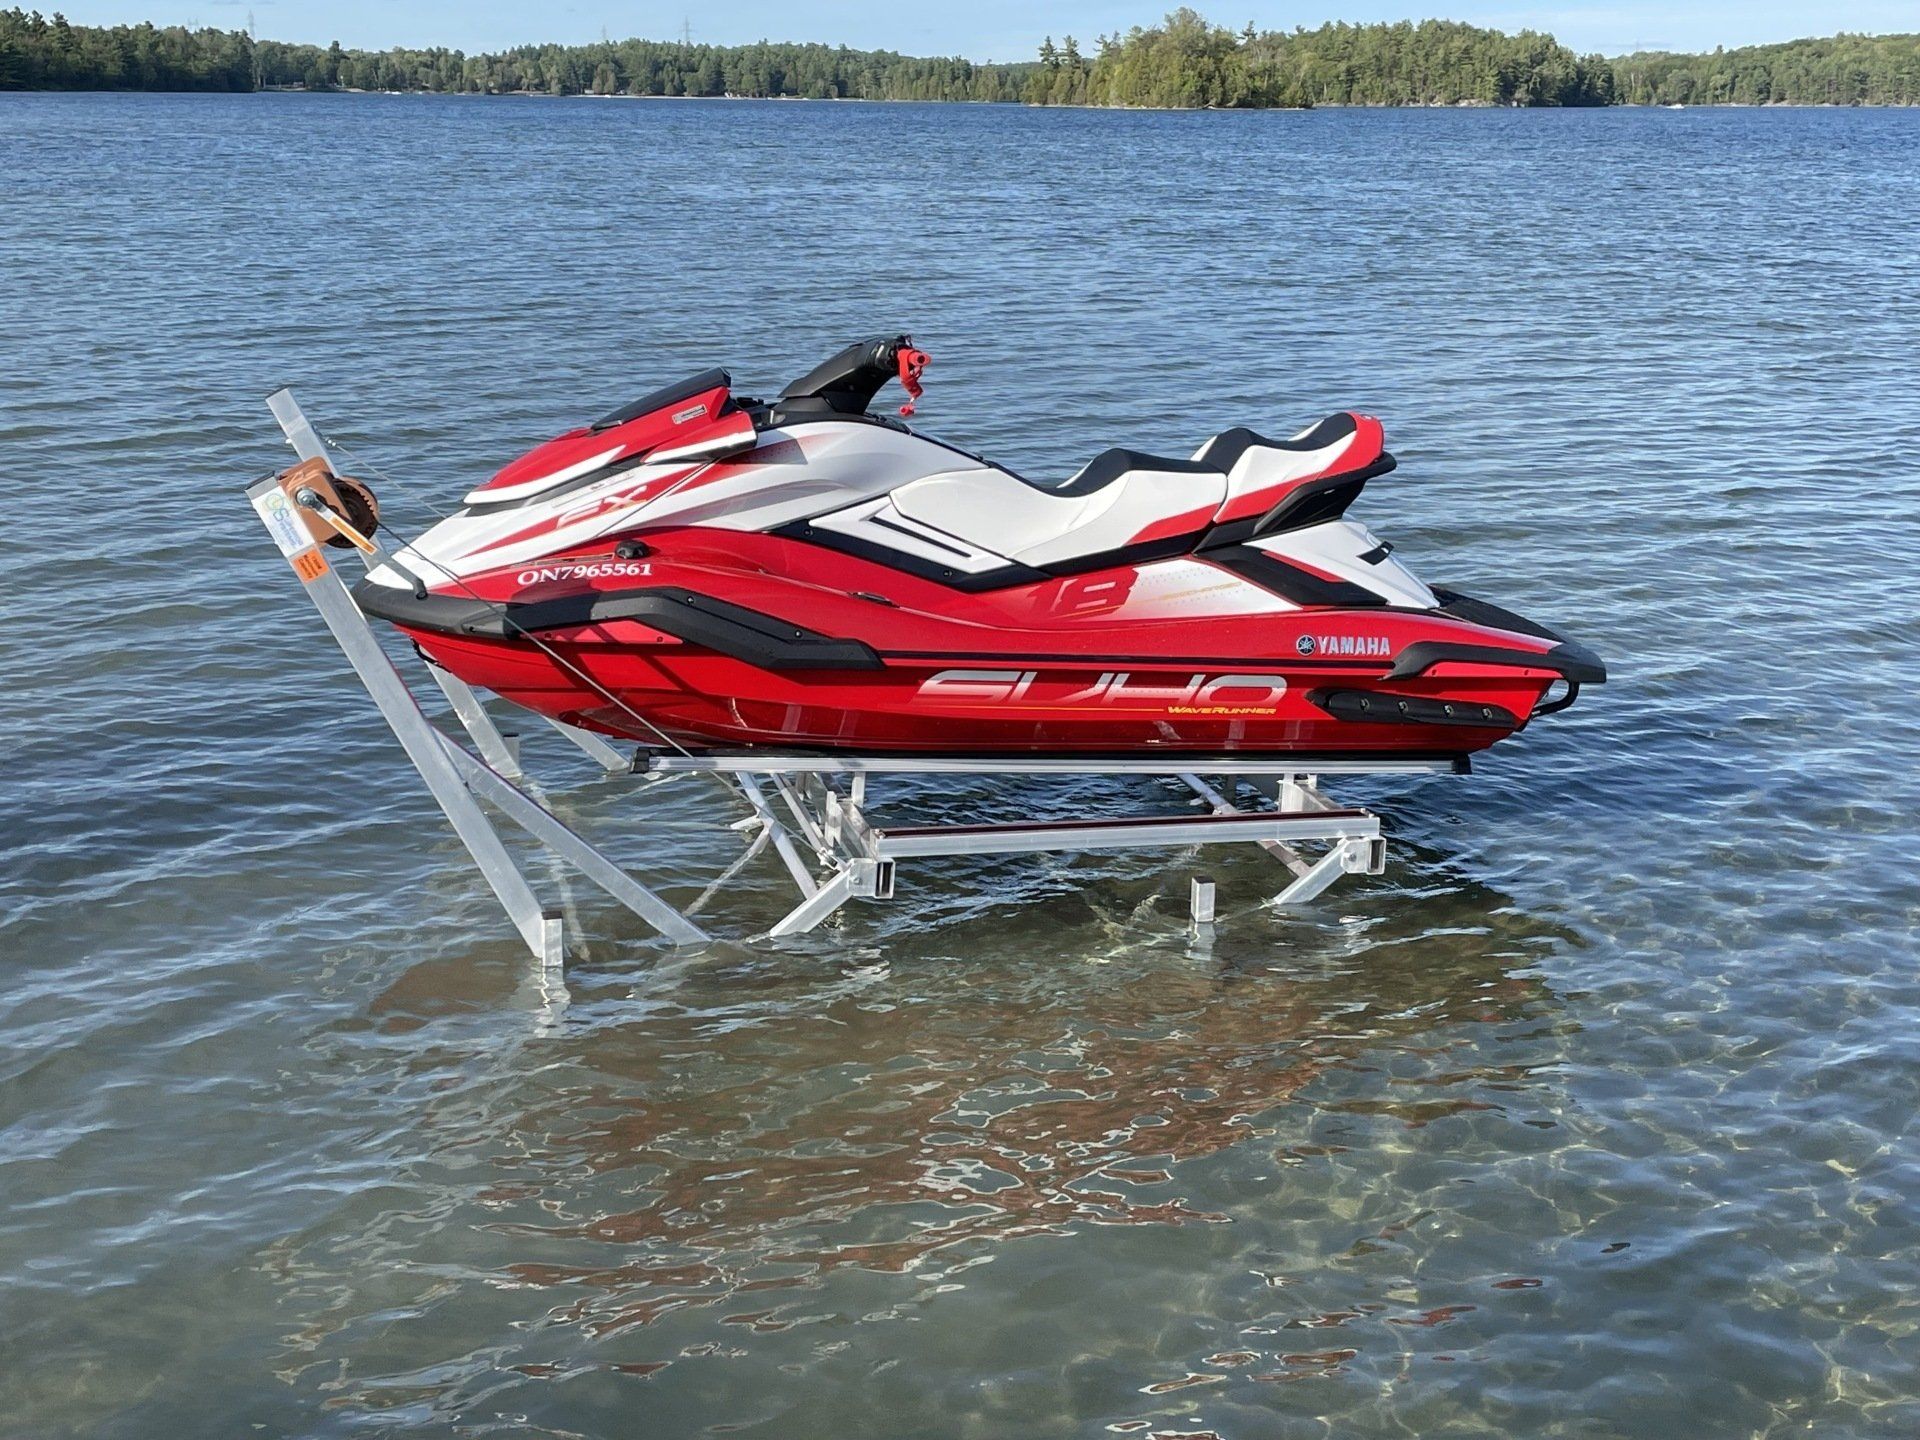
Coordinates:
column 452, row 776
column 816, row 907
column 540, row 823
column 419, row 739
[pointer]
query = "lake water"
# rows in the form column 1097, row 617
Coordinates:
column 1593, row 1117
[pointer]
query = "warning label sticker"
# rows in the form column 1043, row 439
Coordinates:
column 277, row 514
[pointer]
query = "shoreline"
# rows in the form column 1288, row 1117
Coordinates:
column 1010, row 104
column 1187, row 62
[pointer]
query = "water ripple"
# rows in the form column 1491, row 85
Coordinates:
column 1593, row 1116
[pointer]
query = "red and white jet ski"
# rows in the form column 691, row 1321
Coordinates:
column 725, row 573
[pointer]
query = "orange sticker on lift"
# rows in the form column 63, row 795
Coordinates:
column 309, row 565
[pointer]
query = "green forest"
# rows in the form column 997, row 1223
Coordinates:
column 50, row 54
column 1187, row 62
column 1184, row 62
column 1841, row 70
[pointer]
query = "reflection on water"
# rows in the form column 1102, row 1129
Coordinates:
column 744, row 1153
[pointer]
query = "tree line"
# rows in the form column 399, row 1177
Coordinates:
column 1840, row 70
column 37, row 53
column 1187, row 62
column 1184, row 62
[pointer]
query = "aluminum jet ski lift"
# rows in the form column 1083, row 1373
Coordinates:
column 814, row 811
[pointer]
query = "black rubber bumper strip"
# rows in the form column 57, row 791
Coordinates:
column 728, row 629
column 1376, row 707
column 1577, row 663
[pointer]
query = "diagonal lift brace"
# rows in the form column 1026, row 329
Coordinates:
column 452, row 775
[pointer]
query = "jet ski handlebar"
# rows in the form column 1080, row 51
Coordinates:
column 848, row 381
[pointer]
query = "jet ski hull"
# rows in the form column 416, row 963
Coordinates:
column 985, row 705
column 711, row 571
column 648, row 651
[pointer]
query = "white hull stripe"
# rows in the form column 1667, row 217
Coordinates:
column 484, row 496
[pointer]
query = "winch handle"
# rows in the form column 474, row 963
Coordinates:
column 307, row 444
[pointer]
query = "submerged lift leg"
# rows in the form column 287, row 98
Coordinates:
column 782, row 842
column 816, row 907
column 541, row 823
column 1349, row 857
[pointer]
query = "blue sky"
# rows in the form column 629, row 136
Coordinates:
column 983, row 29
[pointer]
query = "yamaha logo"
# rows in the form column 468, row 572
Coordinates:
column 1371, row 645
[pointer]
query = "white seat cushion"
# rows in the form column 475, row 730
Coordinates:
column 1262, row 472
column 1004, row 514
